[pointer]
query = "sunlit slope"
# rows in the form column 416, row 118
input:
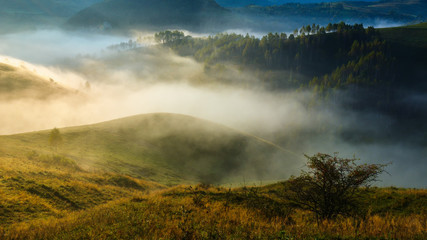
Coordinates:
column 21, row 83
column 199, row 212
column 41, row 185
column 167, row 148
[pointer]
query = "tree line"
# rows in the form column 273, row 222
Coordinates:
column 332, row 57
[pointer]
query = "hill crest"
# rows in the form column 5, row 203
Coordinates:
column 21, row 83
column 162, row 147
column 151, row 14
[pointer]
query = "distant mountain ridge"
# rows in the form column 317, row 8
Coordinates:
column 16, row 15
column 411, row 9
column 209, row 16
column 242, row 3
column 64, row 8
column 287, row 17
column 190, row 14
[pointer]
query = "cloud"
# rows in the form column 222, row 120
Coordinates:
column 46, row 46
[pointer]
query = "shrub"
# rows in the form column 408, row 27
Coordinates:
column 331, row 185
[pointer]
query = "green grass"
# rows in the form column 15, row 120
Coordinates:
column 408, row 46
column 101, row 184
column 419, row 26
column 20, row 83
column 165, row 148
column 100, row 163
column 43, row 186
column 412, row 35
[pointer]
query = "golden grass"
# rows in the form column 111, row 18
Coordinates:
column 30, row 189
column 44, row 200
column 194, row 213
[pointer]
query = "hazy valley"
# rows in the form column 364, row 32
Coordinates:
column 197, row 119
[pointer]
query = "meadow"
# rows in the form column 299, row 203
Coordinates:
column 55, row 193
column 207, row 212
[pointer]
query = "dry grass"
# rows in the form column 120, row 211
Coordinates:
column 46, row 197
column 30, row 189
column 210, row 213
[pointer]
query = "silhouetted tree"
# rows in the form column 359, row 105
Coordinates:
column 329, row 27
column 331, row 185
column 295, row 32
column 308, row 29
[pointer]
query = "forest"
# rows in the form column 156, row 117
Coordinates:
column 347, row 55
column 363, row 62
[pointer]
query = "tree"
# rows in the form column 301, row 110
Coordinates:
column 329, row 27
column 313, row 28
column 296, row 32
column 302, row 30
column 168, row 36
column 55, row 138
column 283, row 36
column 308, row 29
column 331, row 186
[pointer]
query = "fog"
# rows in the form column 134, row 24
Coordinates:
column 47, row 46
column 383, row 23
column 109, row 84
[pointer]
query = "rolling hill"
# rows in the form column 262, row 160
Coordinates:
column 25, row 14
column 120, row 159
column 21, row 83
column 63, row 8
column 393, row 10
column 79, row 192
column 370, row 13
column 409, row 46
column 165, row 148
column 151, row 14
column 49, row 186
column 243, row 3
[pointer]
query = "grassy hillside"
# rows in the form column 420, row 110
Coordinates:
column 52, row 186
column 203, row 212
column 409, row 46
column 121, row 159
column 411, row 35
column 165, row 148
column 96, row 186
column 21, row 83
